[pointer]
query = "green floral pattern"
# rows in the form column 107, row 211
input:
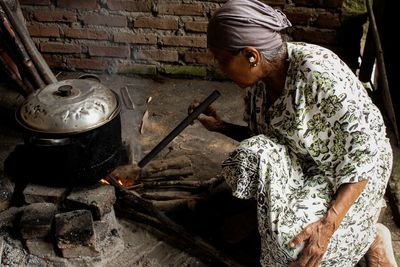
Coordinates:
column 323, row 131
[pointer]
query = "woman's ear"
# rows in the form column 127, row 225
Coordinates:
column 252, row 55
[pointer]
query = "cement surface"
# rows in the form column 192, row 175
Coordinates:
column 166, row 101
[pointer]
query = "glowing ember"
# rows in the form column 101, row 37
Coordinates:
column 119, row 181
column 104, row 181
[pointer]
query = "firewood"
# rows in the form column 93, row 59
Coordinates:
column 17, row 48
column 178, row 162
column 133, row 201
column 168, row 195
column 174, row 167
column 14, row 15
column 181, row 183
column 175, row 205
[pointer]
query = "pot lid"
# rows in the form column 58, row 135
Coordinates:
column 69, row 106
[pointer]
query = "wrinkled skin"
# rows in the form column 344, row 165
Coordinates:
column 316, row 236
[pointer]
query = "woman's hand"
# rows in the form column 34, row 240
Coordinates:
column 316, row 237
column 210, row 119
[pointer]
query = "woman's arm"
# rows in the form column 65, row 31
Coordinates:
column 212, row 122
column 318, row 234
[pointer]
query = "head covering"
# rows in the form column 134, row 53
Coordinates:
column 241, row 23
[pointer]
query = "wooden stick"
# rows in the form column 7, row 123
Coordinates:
column 197, row 184
column 25, row 90
column 168, row 195
column 382, row 70
column 175, row 205
column 16, row 19
column 19, row 49
column 169, row 173
column 136, row 201
column 166, row 164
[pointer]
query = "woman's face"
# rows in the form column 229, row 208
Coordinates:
column 237, row 67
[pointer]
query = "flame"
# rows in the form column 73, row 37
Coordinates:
column 119, row 181
column 104, row 181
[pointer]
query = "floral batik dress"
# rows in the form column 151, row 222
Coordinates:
column 322, row 131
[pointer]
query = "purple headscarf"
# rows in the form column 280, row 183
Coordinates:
column 241, row 23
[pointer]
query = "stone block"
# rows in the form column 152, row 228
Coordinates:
column 34, row 193
column 99, row 199
column 74, row 233
column 105, row 226
column 8, row 217
column 40, row 248
column 1, row 248
column 36, row 220
column 6, row 193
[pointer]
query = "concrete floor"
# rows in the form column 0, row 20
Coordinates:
column 167, row 107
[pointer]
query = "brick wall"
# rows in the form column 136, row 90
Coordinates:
column 165, row 36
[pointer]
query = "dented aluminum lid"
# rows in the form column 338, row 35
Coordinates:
column 69, row 106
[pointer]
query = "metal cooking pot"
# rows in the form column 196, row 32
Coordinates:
column 72, row 133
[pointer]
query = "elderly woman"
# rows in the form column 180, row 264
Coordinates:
column 314, row 154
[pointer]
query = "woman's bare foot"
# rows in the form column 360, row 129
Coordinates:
column 380, row 253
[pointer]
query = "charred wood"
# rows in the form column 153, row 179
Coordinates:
column 131, row 200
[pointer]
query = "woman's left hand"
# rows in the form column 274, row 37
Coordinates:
column 316, row 237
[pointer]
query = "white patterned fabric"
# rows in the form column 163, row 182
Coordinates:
column 322, row 131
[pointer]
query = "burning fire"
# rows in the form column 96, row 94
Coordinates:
column 121, row 181
column 104, row 181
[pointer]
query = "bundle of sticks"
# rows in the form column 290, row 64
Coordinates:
column 166, row 183
column 148, row 195
column 20, row 60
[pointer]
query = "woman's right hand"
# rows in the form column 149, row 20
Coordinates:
column 209, row 118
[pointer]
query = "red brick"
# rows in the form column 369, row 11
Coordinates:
column 314, row 35
column 328, row 20
column 130, row 5
column 135, row 38
column 196, row 26
column 54, row 16
column 156, row 23
column 157, row 55
column 87, row 63
column 274, row 2
column 35, row 2
column 90, row 34
column 321, row 3
column 62, row 48
column 128, row 67
column 195, row 9
column 109, row 51
column 43, row 31
column 54, row 61
column 95, row 19
column 199, row 58
column 78, row 4
column 189, row 41
column 300, row 15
